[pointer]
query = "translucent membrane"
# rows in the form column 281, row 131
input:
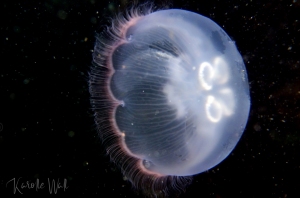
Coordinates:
column 184, row 92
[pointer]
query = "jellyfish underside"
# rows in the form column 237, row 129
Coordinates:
column 184, row 90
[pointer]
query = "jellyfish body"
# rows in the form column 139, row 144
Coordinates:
column 175, row 92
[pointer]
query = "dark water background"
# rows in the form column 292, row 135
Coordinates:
column 46, row 124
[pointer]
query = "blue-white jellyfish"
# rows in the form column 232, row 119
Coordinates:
column 170, row 94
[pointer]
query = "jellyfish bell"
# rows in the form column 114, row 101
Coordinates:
column 170, row 94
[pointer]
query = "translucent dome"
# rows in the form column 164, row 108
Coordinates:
column 184, row 92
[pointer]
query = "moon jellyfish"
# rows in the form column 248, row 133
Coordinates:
column 170, row 95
